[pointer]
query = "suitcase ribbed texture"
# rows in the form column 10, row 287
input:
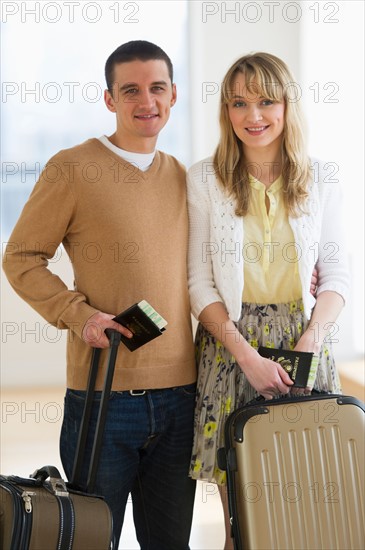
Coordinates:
column 300, row 478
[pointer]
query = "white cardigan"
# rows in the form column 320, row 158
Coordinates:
column 215, row 261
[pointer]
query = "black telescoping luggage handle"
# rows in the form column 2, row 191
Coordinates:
column 114, row 340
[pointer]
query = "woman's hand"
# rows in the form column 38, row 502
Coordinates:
column 309, row 342
column 266, row 376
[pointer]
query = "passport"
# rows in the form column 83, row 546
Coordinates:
column 301, row 366
column 143, row 321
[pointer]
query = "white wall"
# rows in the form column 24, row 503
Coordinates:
column 332, row 78
column 32, row 351
column 221, row 32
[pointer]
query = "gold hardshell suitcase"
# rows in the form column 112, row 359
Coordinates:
column 295, row 473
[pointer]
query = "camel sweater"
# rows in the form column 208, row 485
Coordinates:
column 125, row 232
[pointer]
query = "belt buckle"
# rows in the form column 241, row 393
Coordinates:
column 137, row 392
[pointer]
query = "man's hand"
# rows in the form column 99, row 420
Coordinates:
column 314, row 282
column 93, row 331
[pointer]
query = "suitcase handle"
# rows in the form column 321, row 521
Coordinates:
column 114, row 341
column 46, row 471
column 260, row 400
column 57, row 483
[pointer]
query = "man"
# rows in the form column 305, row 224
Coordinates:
column 118, row 206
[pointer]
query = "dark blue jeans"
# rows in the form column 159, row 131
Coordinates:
column 146, row 453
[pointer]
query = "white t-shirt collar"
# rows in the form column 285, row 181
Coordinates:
column 142, row 160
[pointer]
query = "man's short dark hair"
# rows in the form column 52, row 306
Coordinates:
column 131, row 51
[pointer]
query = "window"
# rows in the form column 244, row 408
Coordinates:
column 53, row 81
column 53, row 57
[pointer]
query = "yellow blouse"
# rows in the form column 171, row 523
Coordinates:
column 269, row 251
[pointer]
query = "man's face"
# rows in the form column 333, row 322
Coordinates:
column 142, row 98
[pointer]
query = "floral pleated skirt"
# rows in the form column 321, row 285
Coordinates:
column 222, row 386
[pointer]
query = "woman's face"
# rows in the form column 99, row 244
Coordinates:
column 257, row 121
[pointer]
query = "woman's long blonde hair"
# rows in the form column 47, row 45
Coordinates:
column 268, row 75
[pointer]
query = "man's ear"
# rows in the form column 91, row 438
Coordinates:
column 109, row 101
column 174, row 95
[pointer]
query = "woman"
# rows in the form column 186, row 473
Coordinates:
column 262, row 215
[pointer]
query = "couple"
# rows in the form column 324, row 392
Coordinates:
column 162, row 429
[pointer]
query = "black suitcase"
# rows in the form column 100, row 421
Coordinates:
column 43, row 512
column 296, row 474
